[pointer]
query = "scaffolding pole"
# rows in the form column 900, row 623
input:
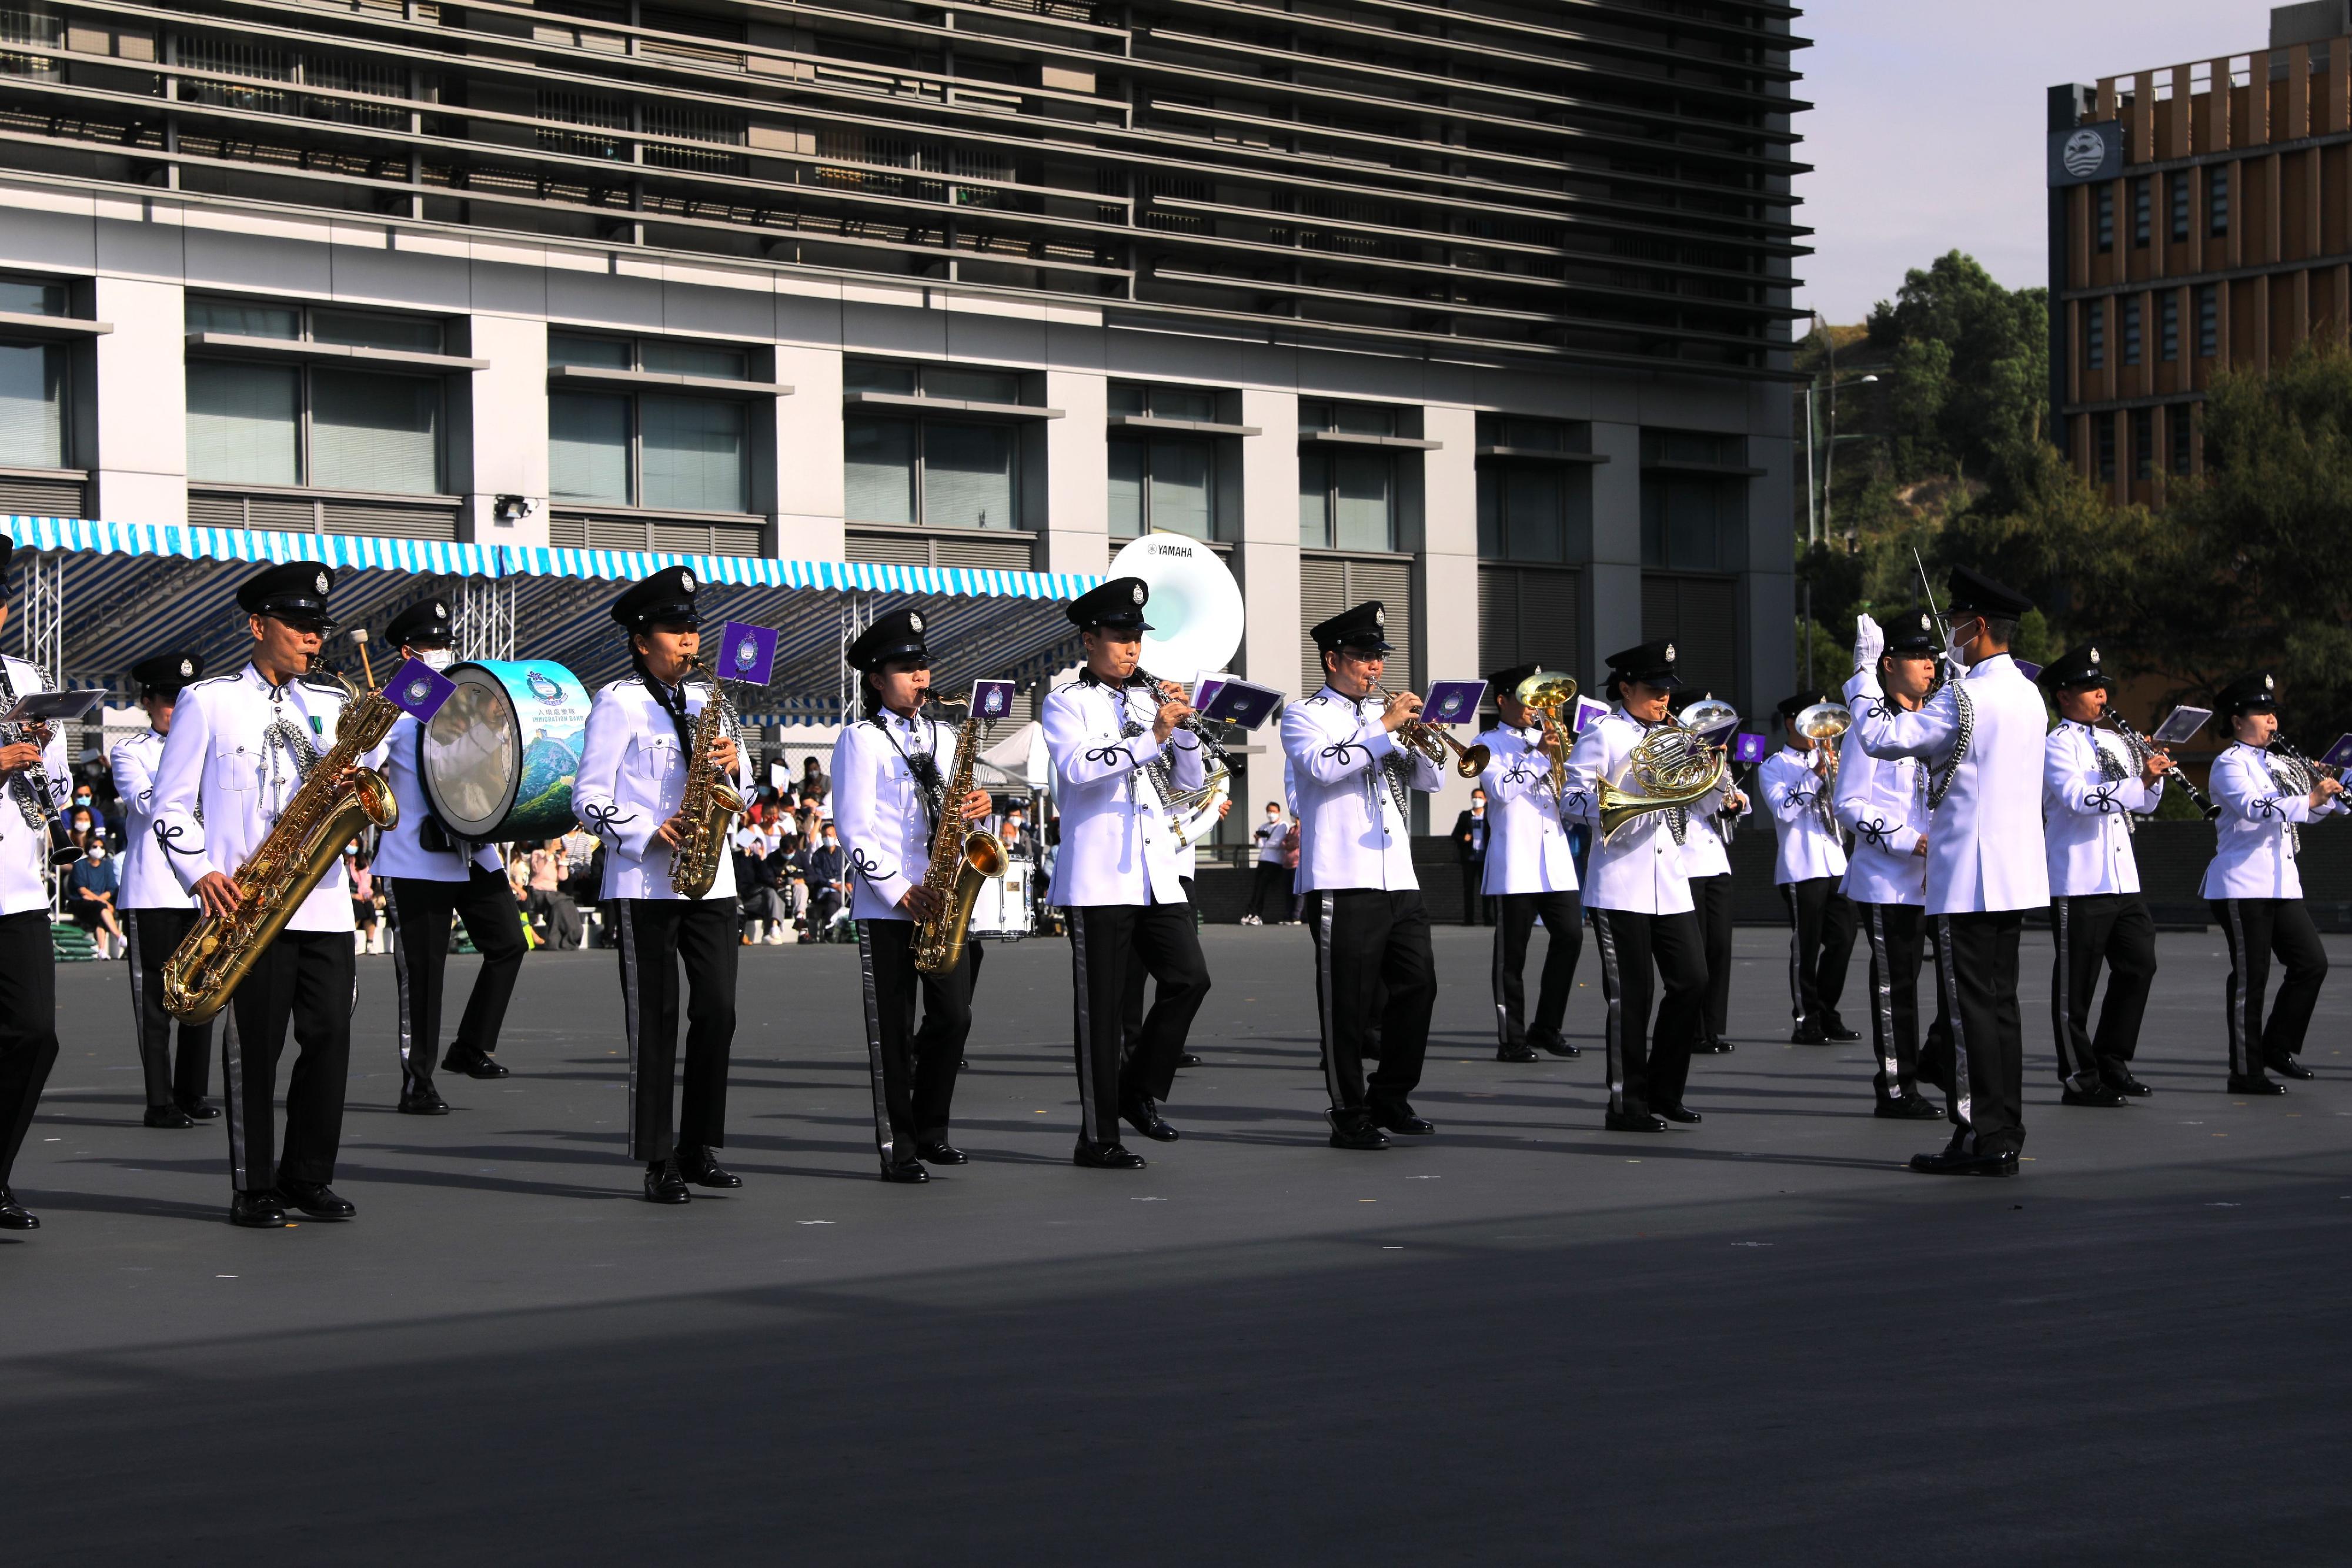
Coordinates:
column 486, row 619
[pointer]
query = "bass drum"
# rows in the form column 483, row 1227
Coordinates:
column 498, row 760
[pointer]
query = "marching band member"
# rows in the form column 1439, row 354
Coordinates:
column 2255, row 890
column 889, row 770
column 1981, row 738
column 156, row 910
column 2089, row 788
column 1530, row 872
column 1799, row 782
column 1883, row 802
column 1118, row 752
column 632, row 780
column 29, row 987
column 428, row 878
column 1638, row 901
column 1355, row 865
column 1707, row 865
column 241, row 746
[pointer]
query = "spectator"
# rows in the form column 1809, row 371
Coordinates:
column 89, row 897
column 1272, row 875
column 1290, row 863
column 367, row 936
column 550, row 866
column 1018, row 845
column 815, row 785
column 828, row 883
column 1470, row 849
column 82, row 825
column 758, row 881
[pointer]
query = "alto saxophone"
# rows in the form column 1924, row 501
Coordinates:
column 326, row 812
column 709, row 803
column 960, row 862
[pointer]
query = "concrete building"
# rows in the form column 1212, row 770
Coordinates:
column 2198, row 220
column 1480, row 308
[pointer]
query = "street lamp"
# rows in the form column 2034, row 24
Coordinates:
column 1817, row 514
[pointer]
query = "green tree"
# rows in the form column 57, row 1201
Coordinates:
column 1978, row 355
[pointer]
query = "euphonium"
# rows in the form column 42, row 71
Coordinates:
column 326, row 813
column 1672, row 767
column 1434, row 743
column 1548, row 697
column 710, row 802
column 960, row 862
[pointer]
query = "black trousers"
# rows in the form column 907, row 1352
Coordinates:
column 1107, row 940
column 1976, row 969
column 420, row 960
column 1713, row 896
column 1373, row 971
column 914, row 1070
column 1474, row 909
column 1936, row 1044
column 2090, row 929
column 1822, row 923
column 658, row 938
column 1515, row 921
column 1894, row 932
column 28, row 1026
column 1271, row 889
column 303, row 978
column 153, row 935
column 1649, row 1068
column 2255, row 928
column 1130, row 991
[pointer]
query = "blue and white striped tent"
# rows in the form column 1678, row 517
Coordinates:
column 132, row 589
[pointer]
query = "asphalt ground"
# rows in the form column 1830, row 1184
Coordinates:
column 1757, row 1341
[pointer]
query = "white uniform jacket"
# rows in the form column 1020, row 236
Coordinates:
column 2255, row 835
column 1641, row 870
column 1884, row 801
column 632, row 777
column 1527, row 844
column 882, row 812
column 147, row 879
column 1350, row 834
column 1118, row 846
column 228, row 772
column 1803, row 815
column 1986, row 852
column 401, row 852
column 1703, row 850
column 2083, row 812
column 24, row 847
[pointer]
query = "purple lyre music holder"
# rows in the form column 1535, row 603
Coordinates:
column 1588, row 714
column 1750, row 748
column 418, row 690
column 747, row 653
column 1453, row 701
column 1239, row 702
column 991, row 699
column 2181, row 725
column 2338, row 756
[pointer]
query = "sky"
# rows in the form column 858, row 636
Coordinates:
column 1926, row 130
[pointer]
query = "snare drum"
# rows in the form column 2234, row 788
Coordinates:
column 1005, row 910
column 497, row 761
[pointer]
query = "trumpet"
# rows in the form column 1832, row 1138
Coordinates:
column 1434, row 743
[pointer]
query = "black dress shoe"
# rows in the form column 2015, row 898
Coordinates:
column 907, row 1173
column 1109, row 1157
column 168, row 1116
column 1808, row 1034
column 2127, row 1084
column 198, row 1108
column 2103, row 1095
column 1678, row 1113
column 1634, row 1122
column 14, row 1215
column 315, row 1198
column 1834, row 1030
column 1908, row 1108
column 1554, row 1045
column 942, row 1152
column 1964, row 1162
column 1143, row 1116
column 1190, row 1060
column 1356, row 1131
column 663, row 1185
column 2255, row 1085
column 701, row 1167
column 1712, row 1047
column 260, row 1210
column 1517, row 1054
column 1401, row 1119
column 423, row 1101
column 2288, row 1067
column 473, row 1064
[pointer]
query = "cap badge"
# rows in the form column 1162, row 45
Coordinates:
column 914, row 623
column 440, row 611
column 2269, row 684
column 1139, row 593
column 2094, row 655
column 1670, row 652
column 187, row 668
column 1380, row 619
column 685, row 581
column 322, row 583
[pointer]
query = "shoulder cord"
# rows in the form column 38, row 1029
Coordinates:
column 1966, row 710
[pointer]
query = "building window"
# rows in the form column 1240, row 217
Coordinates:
column 645, row 448
column 2106, row 202
column 2143, row 437
column 2143, row 201
column 2208, row 320
column 1163, row 480
column 1346, row 499
column 32, row 382
column 2178, row 424
column 1532, row 507
column 325, row 425
column 2107, row 424
column 2179, row 181
column 1693, row 501
column 2167, row 315
column 2095, row 334
column 932, row 470
column 2131, row 330
column 2219, row 200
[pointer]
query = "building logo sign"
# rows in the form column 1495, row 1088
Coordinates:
column 2086, row 153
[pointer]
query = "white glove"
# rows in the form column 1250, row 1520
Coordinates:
column 1869, row 642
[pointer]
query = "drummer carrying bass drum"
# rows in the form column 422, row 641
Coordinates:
column 427, row 877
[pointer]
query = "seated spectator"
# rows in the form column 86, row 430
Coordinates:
column 90, row 888
column 828, row 883
column 759, row 882
column 815, row 785
column 549, row 868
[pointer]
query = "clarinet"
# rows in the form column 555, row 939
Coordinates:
column 33, row 795
column 2141, row 746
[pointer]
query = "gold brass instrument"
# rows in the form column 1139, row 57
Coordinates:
column 1822, row 724
column 1672, row 767
column 1714, row 721
column 328, row 812
column 1430, row 741
column 709, row 803
column 1549, row 697
column 1190, row 812
column 960, row 862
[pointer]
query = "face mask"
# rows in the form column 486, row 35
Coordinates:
column 97, row 852
column 437, row 658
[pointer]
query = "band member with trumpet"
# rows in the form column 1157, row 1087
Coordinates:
column 890, row 773
column 1636, row 893
column 1529, row 871
column 1798, row 783
column 428, row 878
column 634, row 757
column 1119, row 751
column 1981, row 738
column 1354, row 757
column 33, row 788
column 2268, row 792
column 1706, row 863
column 1883, row 802
column 2092, row 781
column 241, row 746
column 156, row 910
